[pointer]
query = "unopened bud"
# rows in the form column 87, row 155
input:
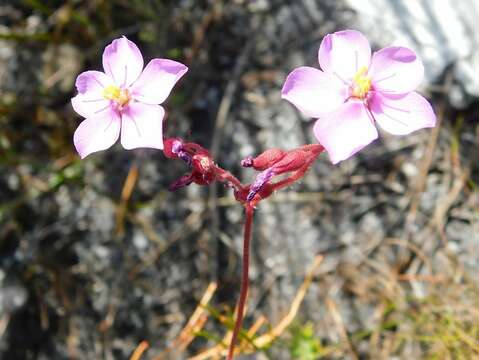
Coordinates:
column 247, row 162
column 183, row 181
column 264, row 160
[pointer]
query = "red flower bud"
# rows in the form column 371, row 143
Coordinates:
column 265, row 160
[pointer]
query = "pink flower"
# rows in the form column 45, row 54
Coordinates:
column 124, row 99
column 355, row 90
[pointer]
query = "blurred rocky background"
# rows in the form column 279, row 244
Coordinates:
column 97, row 256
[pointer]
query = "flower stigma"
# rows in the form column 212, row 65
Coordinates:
column 117, row 94
column 205, row 163
column 361, row 83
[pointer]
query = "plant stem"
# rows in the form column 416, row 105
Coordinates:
column 244, row 279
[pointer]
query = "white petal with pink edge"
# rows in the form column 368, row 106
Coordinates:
column 346, row 131
column 157, row 80
column 92, row 83
column 122, row 61
column 314, row 92
column 90, row 106
column 344, row 53
column 97, row 133
column 402, row 115
column 395, row 70
column 142, row 126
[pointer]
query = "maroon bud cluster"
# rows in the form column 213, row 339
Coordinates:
column 293, row 164
column 274, row 162
column 270, row 163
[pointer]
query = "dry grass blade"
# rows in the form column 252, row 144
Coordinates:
column 217, row 351
column 424, row 278
column 194, row 324
column 213, row 14
column 4, row 320
column 191, row 224
column 221, row 349
column 446, row 203
column 257, row 325
column 126, row 192
column 421, row 178
column 248, row 347
column 293, row 311
column 197, row 320
column 140, row 349
column 413, row 248
column 338, row 321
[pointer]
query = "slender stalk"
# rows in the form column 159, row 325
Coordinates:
column 244, row 279
column 227, row 177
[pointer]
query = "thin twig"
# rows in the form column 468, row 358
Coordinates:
column 140, row 349
column 197, row 319
column 266, row 339
column 293, row 310
column 338, row 320
column 194, row 324
column 126, row 192
column 421, row 178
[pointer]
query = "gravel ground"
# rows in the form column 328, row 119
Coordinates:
column 77, row 283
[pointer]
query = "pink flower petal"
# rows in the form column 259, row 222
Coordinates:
column 92, row 82
column 155, row 83
column 396, row 70
column 402, row 115
column 97, row 133
column 89, row 105
column 314, row 92
column 346, row 131
column 142, row 126
column 90, row 101
column 343, row 53
column 122, row 60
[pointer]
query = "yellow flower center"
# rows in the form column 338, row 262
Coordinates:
column 117, row 94
column 361, row 83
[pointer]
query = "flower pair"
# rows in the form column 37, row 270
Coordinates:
column 352, row 92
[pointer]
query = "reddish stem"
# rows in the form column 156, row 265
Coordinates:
column 228, row 178
column 271, row 163
column 291, row 179
column 244, row 279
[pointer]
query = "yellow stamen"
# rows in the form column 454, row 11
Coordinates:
column 117, row 94
column 361, row 83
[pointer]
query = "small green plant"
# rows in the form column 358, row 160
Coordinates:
column 304, row 345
